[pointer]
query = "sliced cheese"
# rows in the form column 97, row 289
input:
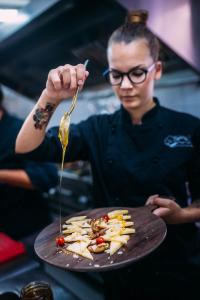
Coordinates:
column 113, row 231
column 114, row 247
column 78, row 229
column 81, row 222
column 74, row 219
column 74, row 237
column 78, row 232
column 87, row 254
column 127, row 231
column 128, row 224
column 121, row 238
column 126, row 217
column 115, row 213
column 80, row 248
column 123, row 223
column 117, row 238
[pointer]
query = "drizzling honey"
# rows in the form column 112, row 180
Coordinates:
column 63, row 135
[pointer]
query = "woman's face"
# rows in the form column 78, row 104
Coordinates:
column 124, row 57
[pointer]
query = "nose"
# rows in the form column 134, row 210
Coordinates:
column 126, row 83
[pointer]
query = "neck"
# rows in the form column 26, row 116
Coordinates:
column 137, row 113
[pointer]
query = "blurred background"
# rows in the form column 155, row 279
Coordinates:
column 38, row 35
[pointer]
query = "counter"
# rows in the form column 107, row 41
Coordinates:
column 65, row 285
column 26, row 268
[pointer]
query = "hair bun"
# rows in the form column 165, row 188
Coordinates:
column 137, row 17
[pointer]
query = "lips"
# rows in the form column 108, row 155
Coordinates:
column 128, row 98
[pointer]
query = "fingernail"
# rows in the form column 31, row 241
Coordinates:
column 80, row 82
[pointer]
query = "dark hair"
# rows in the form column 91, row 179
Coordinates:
column 135, row 28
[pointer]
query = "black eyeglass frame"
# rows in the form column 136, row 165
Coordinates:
column 122, row 74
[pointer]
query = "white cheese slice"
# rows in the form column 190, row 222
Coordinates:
column 114, row 247
column 81, row 249
column 115, row 213
column 73, row 219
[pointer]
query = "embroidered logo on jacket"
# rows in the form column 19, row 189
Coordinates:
column 174, row 141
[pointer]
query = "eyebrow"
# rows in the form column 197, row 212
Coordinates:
column 134, row 68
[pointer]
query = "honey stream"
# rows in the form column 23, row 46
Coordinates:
column 63, row 135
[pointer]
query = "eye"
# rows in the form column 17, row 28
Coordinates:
column 115, row 75
column 137, row 72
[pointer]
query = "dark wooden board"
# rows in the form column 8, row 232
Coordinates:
column 150, row 233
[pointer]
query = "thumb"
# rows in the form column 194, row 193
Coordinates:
column 161, row 212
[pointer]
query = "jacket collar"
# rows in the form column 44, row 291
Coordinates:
column 151, row 117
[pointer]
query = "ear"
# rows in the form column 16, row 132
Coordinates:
column 158, row 70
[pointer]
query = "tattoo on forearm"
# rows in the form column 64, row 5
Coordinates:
column 42, row 116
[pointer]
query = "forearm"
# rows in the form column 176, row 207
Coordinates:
column 192, row 212
column 17, row 178
column 62, row 83
column 33, row 130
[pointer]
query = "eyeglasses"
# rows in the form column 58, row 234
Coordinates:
column 136, row 75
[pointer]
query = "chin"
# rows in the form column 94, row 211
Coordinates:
column 131, row 104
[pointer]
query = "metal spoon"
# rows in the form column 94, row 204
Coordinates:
column 65, row 120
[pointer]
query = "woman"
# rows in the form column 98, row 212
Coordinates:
column 141, row 151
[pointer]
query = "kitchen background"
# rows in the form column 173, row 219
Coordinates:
column 55, row 33
column 42, row 34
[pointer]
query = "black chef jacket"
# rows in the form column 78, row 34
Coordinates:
column 22, row 211
column 131, row 162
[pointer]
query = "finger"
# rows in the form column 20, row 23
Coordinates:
column 49, row 85
column 150, row 200
column 54, row 78
column 66, row 76
column 163, row 202
column 161, row 212
column 86, row 76
column 80, row 74
column 73, row 76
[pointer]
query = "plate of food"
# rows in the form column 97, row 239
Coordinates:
column 101, row 239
